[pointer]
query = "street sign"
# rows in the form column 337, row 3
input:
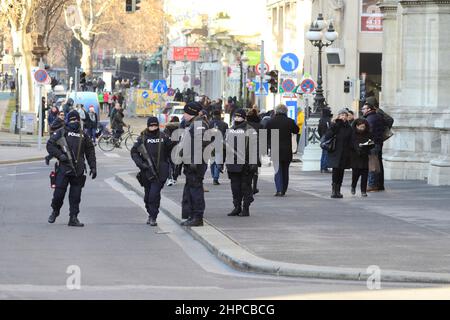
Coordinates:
column 289, row 62
column 41, row 76
column 160, row 86
column 265, row 91
column 308, row 86
column 186, row 53
column 292, row 109
column 186, row 78
column 145, row 94
column 259, row 70
column 288, row 85
column 170, row 92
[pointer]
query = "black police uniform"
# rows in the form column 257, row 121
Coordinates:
column 68, row 173
column 240, row 169
column 158, row 146
column 193, row 202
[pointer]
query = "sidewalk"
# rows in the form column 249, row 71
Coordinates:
column 14, row 154
column 404, row 231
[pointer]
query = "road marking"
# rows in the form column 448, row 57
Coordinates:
column 111, row 155
column 21, row 174
column 43, row 288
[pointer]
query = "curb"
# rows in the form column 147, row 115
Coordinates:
column 21, row 160
column 233, row 254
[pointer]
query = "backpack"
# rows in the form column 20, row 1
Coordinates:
column 388, row 122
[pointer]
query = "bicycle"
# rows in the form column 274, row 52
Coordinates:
column 107, row 142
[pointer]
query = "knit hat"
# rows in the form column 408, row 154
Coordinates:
column 193, row 108
column 73, row 115
column 152, row 121
column 240, row 113
column 343, row 111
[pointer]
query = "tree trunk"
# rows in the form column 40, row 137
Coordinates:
column 22, row 42
column 86, row 59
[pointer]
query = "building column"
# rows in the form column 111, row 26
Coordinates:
column 422, row 95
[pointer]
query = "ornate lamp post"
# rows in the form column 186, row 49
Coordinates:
column 17, row 62
column 320, row 34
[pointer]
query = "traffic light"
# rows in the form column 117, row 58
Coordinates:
column 128, row 5
column 347, row 85
column 132, row 5
column 273, row 82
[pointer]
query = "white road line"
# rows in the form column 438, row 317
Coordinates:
column 111, row 155
column 21, row 174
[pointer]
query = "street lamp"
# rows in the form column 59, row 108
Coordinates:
column 320, row 38
column 243, row 66
column 17, row 62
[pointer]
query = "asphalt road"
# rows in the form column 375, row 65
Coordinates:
column 117, row 255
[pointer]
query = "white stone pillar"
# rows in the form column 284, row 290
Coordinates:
column 313, row 152
column 423, row 93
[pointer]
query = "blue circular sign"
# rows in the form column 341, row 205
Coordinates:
column 145, row 95
column 308, row 86
column 289, row 62
column 288, row 85
column 41, row 76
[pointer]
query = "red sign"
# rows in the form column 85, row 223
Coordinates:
column 259, row 70
column 186, row 53
column 371, row 16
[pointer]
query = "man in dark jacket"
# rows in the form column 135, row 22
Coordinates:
column 117, row 122
column 376, row 124
column 324, row 125
column 195, row 167
column 218, row 124
column 286, row 128
column 71, row 147
column 91, row 123
column 154, row 165
column 239, row 164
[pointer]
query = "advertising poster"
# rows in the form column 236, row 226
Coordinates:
column 371, row 16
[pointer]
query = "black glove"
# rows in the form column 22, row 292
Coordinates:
column 144, row 166
column 47, row 160
column 63, row 158
column 93, row 173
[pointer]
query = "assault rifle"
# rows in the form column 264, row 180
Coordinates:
column 62, row 142
column 152, row 168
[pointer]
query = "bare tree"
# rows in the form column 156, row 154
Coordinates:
column 46, row 17
column 90, row 23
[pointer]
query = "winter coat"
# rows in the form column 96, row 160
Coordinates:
column 340, row 158
column 238, row 159
column 287, row 127
column 360, row 155
column 91, row 123
column 56, row 125
column 117, row 122
column 376, row 125
column 158, row 146
column 52, row 116
column 80, row 147
column 171, row 127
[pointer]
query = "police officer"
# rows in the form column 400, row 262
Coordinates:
column 151, row 153
column 193, row 203
column 240, row 167
column 71, row 147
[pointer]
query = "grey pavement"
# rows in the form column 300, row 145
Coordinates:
column 406, row 228
column 15, row 154
column 119, row 256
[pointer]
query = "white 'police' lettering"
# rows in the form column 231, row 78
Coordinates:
column 153, row 141
column 236, row 131
column 73, row 134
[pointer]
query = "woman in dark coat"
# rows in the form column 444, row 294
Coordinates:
column 340, row 158
column 362, row 144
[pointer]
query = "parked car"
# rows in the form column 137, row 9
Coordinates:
column 177, row 111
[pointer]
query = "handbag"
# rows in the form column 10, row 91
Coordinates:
column 374, row 163
column 329, row 144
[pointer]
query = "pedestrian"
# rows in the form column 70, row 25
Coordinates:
column 255, row 122
column 193, row 203
column 52, row 115
column 362, row 144
column 57, row 124
column 71, row 148
column 376, row 124
column 286, row 128
column 12, row 87
column 91, row 124
column 118, row 124
column 170, row 128
column 240, row 168
column 101, row 99
column 340, row 158
column 151, row 154
column 221, row 126
column 351, row 116
column 324, row 125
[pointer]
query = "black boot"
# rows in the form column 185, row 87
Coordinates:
column 184, row 223
column 353, row 190
column 53, row 216
column 236, row 211
column 255, row 185
column 195, row 222
column 245, row 212
column 338, row 191
column 74, row 222
column 334, row 194
column 152, row 222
